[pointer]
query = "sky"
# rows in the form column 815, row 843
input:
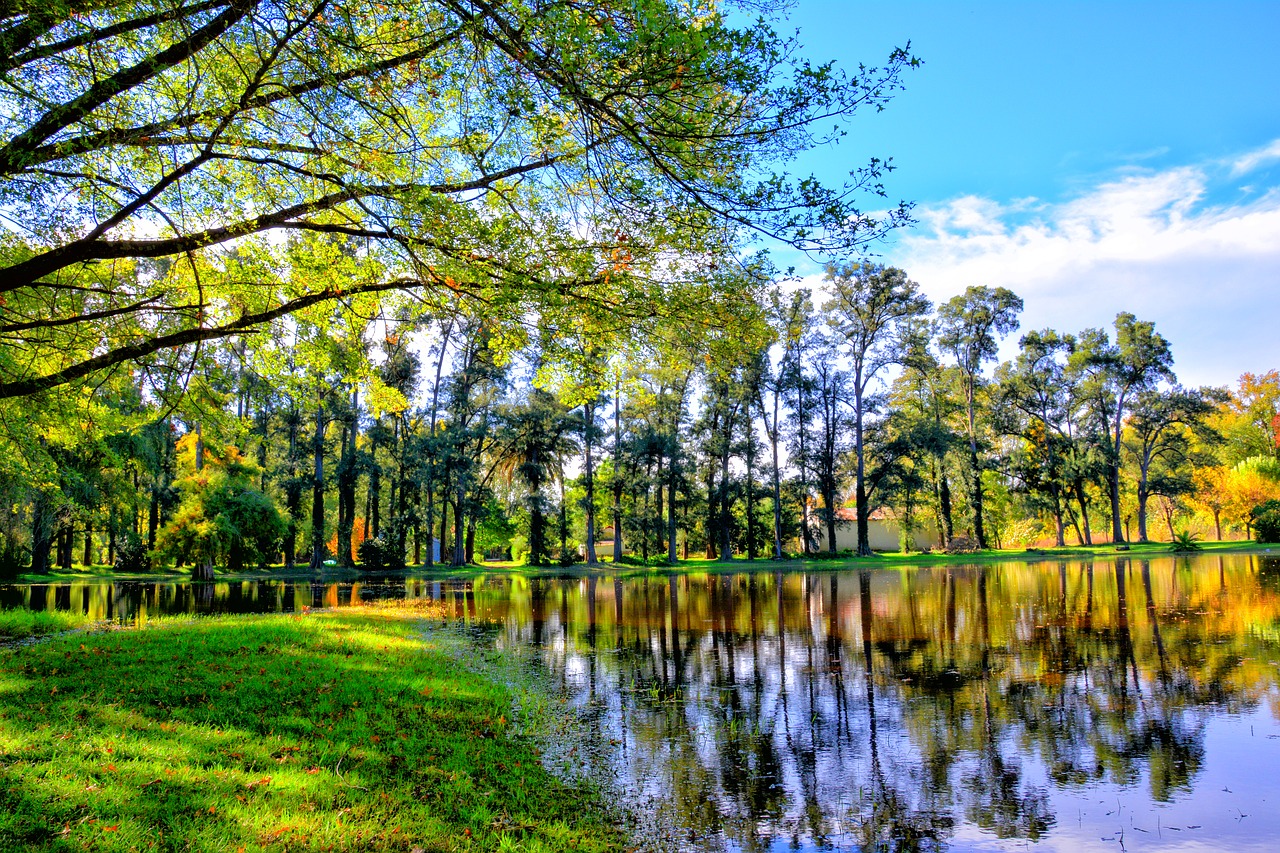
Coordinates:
column 1092, row 157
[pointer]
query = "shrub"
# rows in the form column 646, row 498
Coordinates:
column 132, row 555
column 1185, row 542
column 1266, row 521
column 962, row 545
column 519, row 548
column 372, row 554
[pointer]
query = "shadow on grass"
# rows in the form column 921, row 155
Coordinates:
column 326, row 731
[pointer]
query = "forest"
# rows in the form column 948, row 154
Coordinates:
column 399, row 284
column 419, row 442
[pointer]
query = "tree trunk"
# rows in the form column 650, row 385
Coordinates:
column 617, row 472
column 1061, row 540
column 201, row 569
column 1083, row 502
column 88, row 545
column 417, row 525
column 860, row 474
column 1142, row 514
column 978, row 532
column 726, row 545
column 469, row 549
column 564, row 523
column 588, row 420
column 292, row 497
column 749, row 495
column 671, row 511
column 944, row 503
column 347, row 477
column 713, row 517
column 317, row 495
column 375, row 495
column 777, row 484
column 459, row 529
column 111, row 538
column 1113, row 492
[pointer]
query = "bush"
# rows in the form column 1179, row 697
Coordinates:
column 132, row 556
column 962, row 545
column 372, row 554
column 519, row 548
column 1184, row 542
column 1266, row 521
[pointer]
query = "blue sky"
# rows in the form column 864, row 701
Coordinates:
column 1093, row 157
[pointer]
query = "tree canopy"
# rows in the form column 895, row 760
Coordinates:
column 176, row 172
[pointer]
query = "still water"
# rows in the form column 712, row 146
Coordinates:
column 1106, row 705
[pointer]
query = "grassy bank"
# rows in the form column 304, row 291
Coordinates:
column 21, row 624
column 323, row 731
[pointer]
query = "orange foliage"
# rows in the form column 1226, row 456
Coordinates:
column 359, row 533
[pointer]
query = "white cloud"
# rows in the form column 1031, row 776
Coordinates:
column 1149, row 243
column 1254, row 159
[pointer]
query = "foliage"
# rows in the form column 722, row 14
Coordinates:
column 1266, row 521
column 539, row 159
column 373, row 554
column 132, row 556
column 222, row 519
column 1184, row 542
column 519, row 548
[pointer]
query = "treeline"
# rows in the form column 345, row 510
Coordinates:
column 374, row 440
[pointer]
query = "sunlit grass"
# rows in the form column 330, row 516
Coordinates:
column 323, row 731
column 17, row 624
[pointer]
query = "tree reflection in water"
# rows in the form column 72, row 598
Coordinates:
column 908, row 710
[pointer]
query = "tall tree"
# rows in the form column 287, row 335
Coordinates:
column 1032, row 401
column 872, row 311
column 970, row 328
column 1114, row 375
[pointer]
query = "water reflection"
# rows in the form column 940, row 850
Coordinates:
column 133, row 602
column 1072, row 705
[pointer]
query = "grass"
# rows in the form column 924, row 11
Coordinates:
column 21, row 624
column 342, row 730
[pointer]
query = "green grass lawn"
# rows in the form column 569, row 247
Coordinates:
column 342, row 730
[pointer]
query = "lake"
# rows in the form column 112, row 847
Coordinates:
column 1108, row 705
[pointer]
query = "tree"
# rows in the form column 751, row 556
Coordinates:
column 1115, row 374
column 790, row 318
column 462, row 143
column 536, row 440
column 872, row 311
column 970, row 328
column 222, row 518
column 1033, row 402
column 829, row 445
column 1158, row 433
